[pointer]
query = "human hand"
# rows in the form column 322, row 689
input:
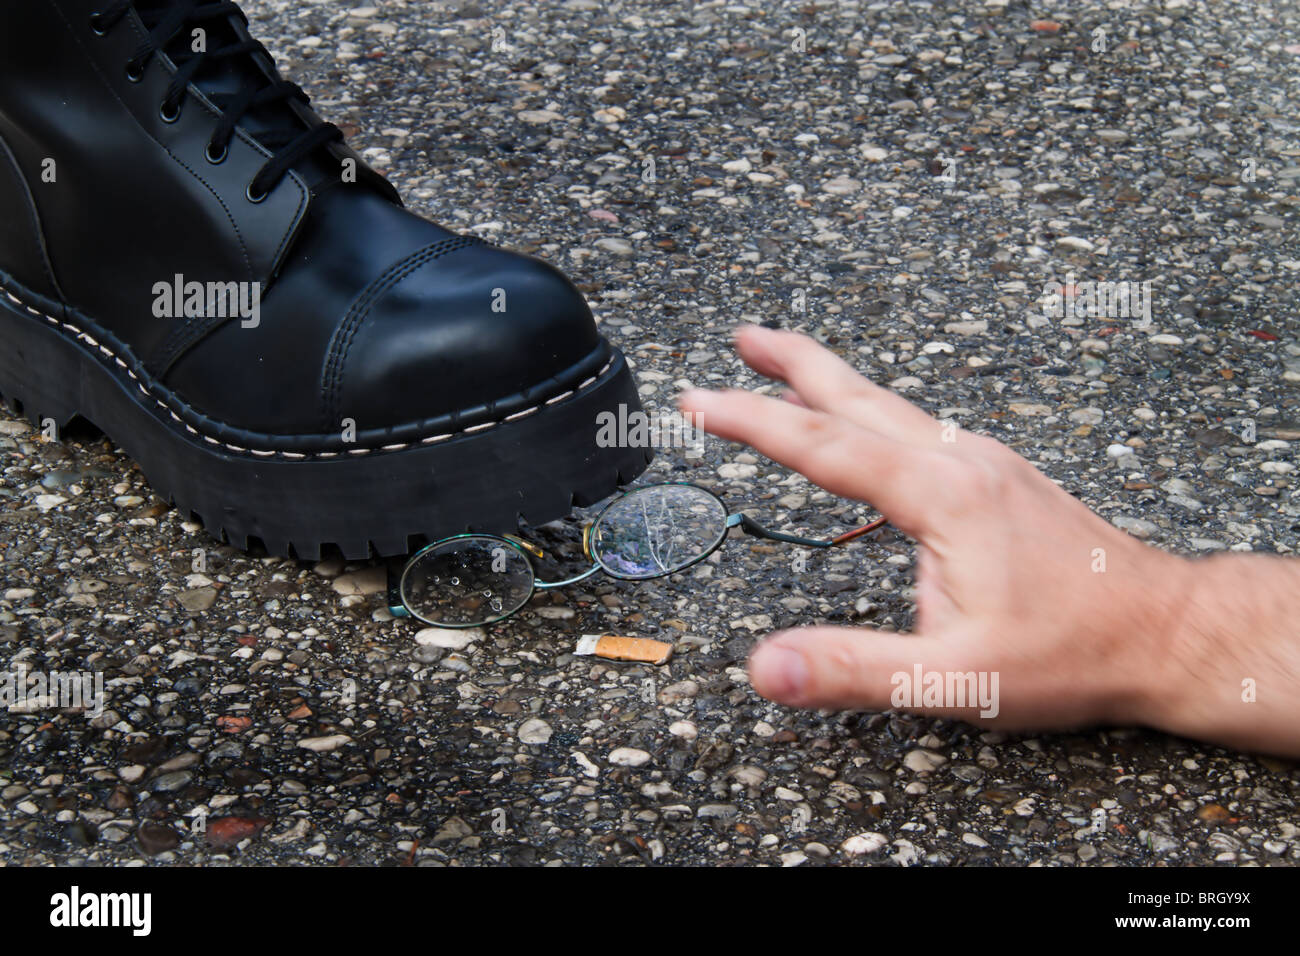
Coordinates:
column 1014, row 577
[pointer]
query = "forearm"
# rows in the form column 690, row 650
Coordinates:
column 1230, row 667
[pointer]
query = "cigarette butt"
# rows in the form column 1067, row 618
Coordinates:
column 614, row 648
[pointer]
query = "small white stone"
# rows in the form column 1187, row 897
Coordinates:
column 684, row 729
column 589, row 769
column 538, row 116
column 1075, row 242
column 1138, row 527
column 323, row 745
column 618, row 247
column 905, row 853
column 863, row 843
column 365, row 581
column 452, row 640
column 628, row 757
column 1029, row 409
column 1087, row 416
column 749, row 776
column 841, row 186
column 733, row 469
column 535, row 731
column 906, row 382
column 557, row 612
column 920, row 760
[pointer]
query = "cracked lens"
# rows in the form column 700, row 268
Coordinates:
column 658, row 530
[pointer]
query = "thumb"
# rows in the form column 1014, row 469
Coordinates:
column 844, row 668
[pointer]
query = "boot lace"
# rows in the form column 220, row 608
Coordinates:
column 289, row 144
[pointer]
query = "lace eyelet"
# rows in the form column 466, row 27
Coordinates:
column 134, row 73
column 216, row 158
column 97, row 25
column 167, row 117
column 248, row 193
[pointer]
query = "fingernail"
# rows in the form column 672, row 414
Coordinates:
column 779, row 673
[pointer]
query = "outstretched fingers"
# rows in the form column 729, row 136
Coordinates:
column 899, row 479
column 825, row 382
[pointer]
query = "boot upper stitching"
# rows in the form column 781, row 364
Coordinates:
column 268, row 453
column 341, row 344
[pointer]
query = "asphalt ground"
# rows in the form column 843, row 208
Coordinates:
column 901, row 180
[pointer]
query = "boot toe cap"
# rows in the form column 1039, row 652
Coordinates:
column 476, row 328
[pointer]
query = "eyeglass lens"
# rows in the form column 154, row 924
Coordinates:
column 657, row 530
column 467, row 581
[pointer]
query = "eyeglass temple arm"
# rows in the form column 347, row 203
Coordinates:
column 750, row 526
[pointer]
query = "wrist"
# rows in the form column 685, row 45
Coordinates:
column 1155, row 632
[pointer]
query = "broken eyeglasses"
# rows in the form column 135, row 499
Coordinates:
column 470, row 580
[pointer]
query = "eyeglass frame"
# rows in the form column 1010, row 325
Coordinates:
column 399, row 608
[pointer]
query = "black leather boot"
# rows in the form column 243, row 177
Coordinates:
column 194, row 261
